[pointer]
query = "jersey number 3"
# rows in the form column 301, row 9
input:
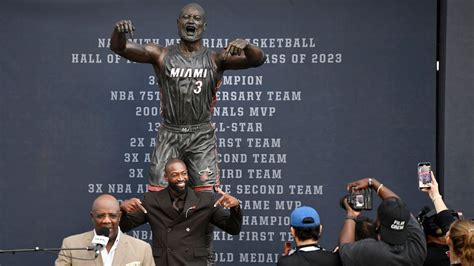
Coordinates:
column 198, row 88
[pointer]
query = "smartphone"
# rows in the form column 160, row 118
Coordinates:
column 424, row 174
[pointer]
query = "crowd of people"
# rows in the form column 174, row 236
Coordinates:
column 435, row 237
column 179, row 218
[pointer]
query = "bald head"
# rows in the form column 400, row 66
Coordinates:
column 105, row 200
column 194, row 6
column 171, row 162
column 106, row 213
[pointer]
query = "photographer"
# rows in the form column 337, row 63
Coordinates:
column 400, row 238
column 435, row 225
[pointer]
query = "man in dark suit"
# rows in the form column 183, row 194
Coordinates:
column 306, row 229
column 179, row 217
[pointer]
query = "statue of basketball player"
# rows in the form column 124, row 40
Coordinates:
column 189, row 76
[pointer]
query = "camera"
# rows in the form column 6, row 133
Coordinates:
column 358, row 199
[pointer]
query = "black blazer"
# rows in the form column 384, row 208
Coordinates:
column 316, row 257
column 180, row 238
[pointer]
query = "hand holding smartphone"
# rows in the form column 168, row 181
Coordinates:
column 424, row 175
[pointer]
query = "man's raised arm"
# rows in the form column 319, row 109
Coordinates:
column 347, row 234
column 240, row 54
column 149, row 53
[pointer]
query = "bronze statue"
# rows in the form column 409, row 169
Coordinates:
column 189, row 76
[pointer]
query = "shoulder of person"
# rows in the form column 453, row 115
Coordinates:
column 361, row 245
column 76, row 237
column 286, row 260
column 154, row 46
column 134, row 240
column 151, row 194
column 206, row 196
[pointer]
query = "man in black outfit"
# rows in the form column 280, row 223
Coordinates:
column 400, row 238
column 306, row 229
column 179, row 217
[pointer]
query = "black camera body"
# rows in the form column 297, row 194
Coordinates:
column 359, row 199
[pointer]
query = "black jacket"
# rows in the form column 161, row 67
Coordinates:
column 180, row 238
column 305, row 256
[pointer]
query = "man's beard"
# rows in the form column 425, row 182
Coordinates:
column 176, row 189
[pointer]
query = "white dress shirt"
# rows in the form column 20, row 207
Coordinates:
column 108, row 256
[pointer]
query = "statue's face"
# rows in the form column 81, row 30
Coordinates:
column 191, row 23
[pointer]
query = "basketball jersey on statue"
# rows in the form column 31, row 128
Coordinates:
column 188, row 87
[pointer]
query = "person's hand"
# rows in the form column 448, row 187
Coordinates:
column 433, row 190
column 235, row 48
column 349, row 211
column 125, row 26
column 226, row 200
column 359, row 184
column 132, row 205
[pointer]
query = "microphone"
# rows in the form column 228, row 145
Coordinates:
column 100, row 240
